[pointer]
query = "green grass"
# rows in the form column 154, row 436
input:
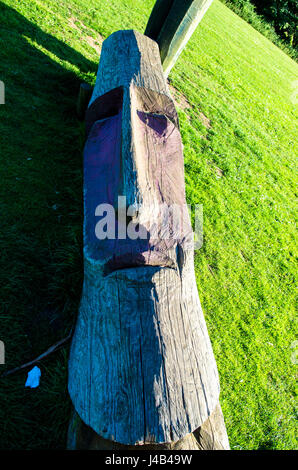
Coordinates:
column 242, row 169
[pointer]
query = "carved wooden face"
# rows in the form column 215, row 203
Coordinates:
column 141, row 366
column 134, row 151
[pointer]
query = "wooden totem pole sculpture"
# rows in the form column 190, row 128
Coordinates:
column 142, row 373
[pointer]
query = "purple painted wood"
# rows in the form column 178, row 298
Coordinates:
column 102, row 169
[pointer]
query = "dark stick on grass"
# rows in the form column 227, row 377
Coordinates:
column 42, row 356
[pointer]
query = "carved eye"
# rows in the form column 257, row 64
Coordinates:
column 105, row 106
column 159, row 123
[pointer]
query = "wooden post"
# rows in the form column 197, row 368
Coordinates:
column 171, row 25
column 141, row 366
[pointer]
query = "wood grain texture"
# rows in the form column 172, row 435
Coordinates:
column 141, row 367
column 211, row 435
column 128, row 57
column 171, row 24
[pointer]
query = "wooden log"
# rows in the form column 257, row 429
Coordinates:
column 171, row 24
column 211, row 435
column 141, row 366
column 157, row 18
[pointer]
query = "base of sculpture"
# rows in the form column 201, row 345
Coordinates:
column 211, row 435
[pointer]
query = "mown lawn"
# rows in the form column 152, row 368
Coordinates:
column 238, row 118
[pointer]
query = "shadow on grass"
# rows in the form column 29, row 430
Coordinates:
column 41, row 224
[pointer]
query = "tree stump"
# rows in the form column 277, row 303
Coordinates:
column 141, row 368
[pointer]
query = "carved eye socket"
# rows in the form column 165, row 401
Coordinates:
column 158, row 157
column 157, row 122
column 157, row 119
column 154, row 104
column 108, row 105
column 102, row 162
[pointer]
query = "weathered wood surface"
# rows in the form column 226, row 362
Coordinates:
column 141, row 367
column 211, row 435
column 171, row 25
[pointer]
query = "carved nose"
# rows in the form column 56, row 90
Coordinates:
column 130, row 194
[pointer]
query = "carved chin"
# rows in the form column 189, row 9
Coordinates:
column 141, row 365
